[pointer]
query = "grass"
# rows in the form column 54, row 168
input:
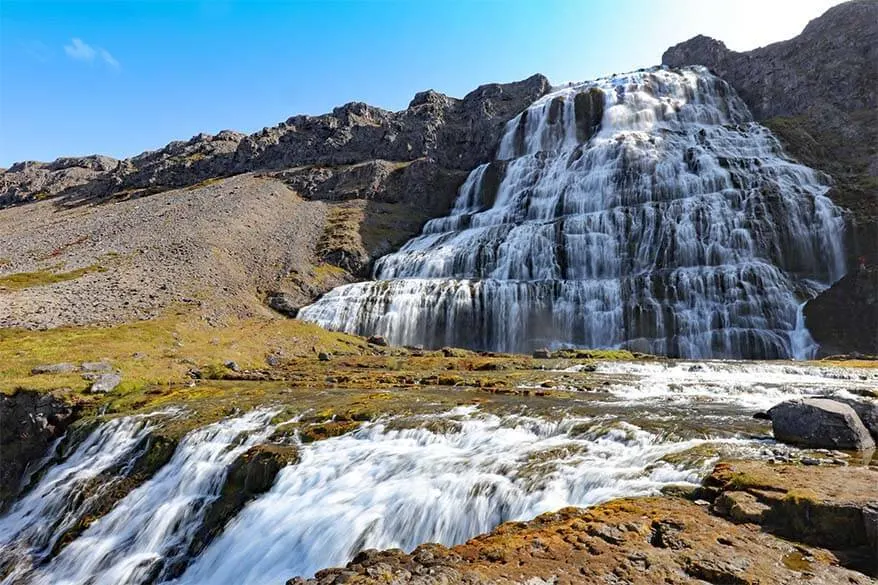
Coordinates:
column 160, row 351
column 23, row 280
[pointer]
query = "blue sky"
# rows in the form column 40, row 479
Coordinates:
column 118, row 77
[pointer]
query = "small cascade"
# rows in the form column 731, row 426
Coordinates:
column 68, row 492
column 154, row 524
column 646, row 211
column 444, row 479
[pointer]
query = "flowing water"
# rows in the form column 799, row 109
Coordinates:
column 152, row 525
column 68, row 492
column 404, row 480
column 382, row 487
column 645, row 210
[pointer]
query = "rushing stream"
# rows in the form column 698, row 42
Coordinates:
column 645, row 210
column 398, row 481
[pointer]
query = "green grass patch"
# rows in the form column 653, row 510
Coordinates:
column 22, row 280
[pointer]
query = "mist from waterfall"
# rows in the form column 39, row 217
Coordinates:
column 646, row 211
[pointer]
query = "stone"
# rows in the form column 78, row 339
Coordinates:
column 30, row 422
column 232, row 365
column 324, row 356
column 283, row 303
column 377, row 340
column 819, row 423
column 542, row 354
column 63, row 368
column 740, row 507
column 867, row 410
column 101, row 366
column 105, row 383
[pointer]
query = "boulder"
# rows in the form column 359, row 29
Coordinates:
column 867, row 410
column 105, row 383
column 283, row 303
column 101, row 366
column 324, row 356
column 819, row 423
column 377, row 340
column 542, row 354
column 232, row 365
column 53, row 369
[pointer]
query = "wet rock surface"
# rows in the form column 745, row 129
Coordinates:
column 31, row 421
column 661, row 540
column 250, row 475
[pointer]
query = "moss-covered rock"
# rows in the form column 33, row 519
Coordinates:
column 250, row 475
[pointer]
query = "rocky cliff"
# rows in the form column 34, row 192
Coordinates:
column 450, row 134
column 819, row 93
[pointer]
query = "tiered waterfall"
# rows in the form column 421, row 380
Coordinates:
column 646, row 211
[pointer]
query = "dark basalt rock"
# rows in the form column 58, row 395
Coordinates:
column 588, row 107
column 454, row 134
column 844, row 318
column 31, row 421
column 819, row 423
column 250, row 475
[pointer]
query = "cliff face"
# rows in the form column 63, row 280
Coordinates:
column 818, row 92
column 451, row 134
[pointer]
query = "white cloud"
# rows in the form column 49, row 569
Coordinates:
column 79, row 50
column 109, row 59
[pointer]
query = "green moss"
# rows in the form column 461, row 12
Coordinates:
column 23, row 280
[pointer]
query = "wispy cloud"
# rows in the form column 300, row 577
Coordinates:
column 78, row 50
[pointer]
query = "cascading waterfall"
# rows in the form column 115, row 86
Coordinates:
column 154, row 524
column 445, row 482
column 646, row 211
column 68, row 492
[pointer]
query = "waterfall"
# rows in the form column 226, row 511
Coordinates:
column 154, row 524
column 646, row 211
column 446, row 480
column 68, row 492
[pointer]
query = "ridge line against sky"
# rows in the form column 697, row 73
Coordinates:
column 122, row 77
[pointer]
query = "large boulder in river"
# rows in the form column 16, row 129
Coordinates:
column 867, row 410
column 820, row 423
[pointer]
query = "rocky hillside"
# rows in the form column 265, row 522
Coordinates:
column 233, row 222
column 819, row 93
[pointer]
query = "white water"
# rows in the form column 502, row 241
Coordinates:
column 676, row 226
column 381, row 487
column 753, row 386
column 62, row 498
column 153, row 524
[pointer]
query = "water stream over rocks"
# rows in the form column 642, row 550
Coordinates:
column 403, row 480
column 645, row 210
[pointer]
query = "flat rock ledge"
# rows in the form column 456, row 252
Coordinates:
column 724, row 532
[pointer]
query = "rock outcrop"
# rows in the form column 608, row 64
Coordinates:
column 31, row 421
column 821, row 424
column 451, row 134
column 663, row 540
column 250, row 475
column 845, row 317
column 818, row 92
